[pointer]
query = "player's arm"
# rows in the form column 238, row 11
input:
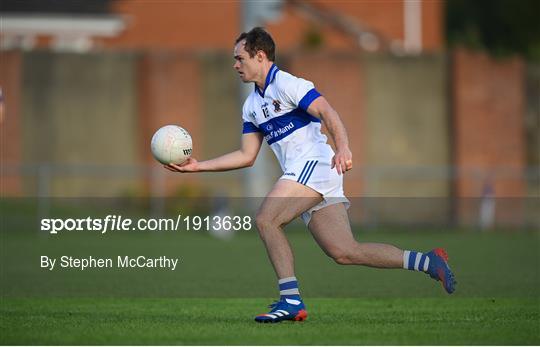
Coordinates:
column 322, row 109
column 244, row 157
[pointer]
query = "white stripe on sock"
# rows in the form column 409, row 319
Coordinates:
column 293, row 291
column 406, row 259
column 417, row 260
column 285, row 280
column 426, row 264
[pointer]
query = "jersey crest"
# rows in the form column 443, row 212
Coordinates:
column 277, row 105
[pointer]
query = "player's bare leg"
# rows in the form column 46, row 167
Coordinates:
column 331, row 229
column 286, row 201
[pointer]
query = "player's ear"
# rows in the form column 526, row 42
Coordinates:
column 260, row 56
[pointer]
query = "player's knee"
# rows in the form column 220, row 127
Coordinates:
column 344, row 260
column 341, row 256
column 261, row 221
column 268, row 222
column 264, row 222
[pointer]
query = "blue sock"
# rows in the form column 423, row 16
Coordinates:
column 288, row 289
column 415, row 261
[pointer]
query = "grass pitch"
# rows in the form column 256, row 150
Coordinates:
column 336, row 321
column 221, row 285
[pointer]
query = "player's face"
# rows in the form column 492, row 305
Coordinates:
column 245, row 66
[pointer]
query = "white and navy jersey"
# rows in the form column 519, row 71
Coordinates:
column 279, row 112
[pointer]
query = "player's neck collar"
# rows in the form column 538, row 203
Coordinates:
column 270, row 76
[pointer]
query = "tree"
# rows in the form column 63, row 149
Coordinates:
column 502, row 27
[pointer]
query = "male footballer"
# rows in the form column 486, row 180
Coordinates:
column 286, row 111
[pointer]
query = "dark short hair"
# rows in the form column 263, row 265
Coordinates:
column 257, row 39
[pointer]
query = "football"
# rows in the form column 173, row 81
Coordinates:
column 171, row 144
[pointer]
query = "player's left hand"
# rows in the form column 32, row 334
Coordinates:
column 342, row 161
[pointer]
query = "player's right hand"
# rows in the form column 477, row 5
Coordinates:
column 190, row 165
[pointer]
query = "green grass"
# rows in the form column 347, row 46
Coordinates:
column 503, row 264
column 229, row 321
column 220, row 285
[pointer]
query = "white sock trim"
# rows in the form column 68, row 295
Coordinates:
column 293, row 291
column 287, row 279
column 406, row 259
column 426, row 264
column 417, row 260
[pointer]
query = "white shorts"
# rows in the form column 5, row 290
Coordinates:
column 317, row 174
